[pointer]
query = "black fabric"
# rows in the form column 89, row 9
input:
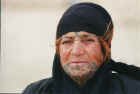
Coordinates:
column 125, row 81
column 122, row 68
column 84, row 16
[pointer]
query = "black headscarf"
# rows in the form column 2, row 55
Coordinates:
column 91, row 18
column 84, row 16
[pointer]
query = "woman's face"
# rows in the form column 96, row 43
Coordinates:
column 80, row 53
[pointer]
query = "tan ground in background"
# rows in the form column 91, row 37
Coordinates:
column 28, row 37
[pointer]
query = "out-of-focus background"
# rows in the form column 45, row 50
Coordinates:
column 28, row 37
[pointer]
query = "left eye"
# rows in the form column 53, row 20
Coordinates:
column 92, row 40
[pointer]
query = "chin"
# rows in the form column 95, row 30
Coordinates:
column 80, row 70
column 79, row 73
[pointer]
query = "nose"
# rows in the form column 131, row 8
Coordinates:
column 77, row 49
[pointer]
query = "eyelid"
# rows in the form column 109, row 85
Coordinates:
column 66, row 41
column 87, row 38
column 91, row 39
column 67, row 37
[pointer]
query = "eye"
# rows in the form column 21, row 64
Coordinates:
column 67, row 42
column 90, row 40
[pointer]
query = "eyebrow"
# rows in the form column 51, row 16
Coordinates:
column 85, row 35
column 67, row 37
column 81, row 35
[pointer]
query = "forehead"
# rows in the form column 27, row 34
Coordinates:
column 80, row 34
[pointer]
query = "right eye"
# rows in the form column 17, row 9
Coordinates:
column 67, row 42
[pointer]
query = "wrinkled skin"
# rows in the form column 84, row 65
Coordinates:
column 80, row 55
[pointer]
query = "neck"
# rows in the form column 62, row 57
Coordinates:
column 82, row 80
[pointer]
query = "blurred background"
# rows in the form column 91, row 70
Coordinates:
column 28, row 37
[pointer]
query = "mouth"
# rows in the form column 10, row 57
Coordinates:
column 79, row 62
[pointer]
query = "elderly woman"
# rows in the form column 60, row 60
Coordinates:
column 82, row 63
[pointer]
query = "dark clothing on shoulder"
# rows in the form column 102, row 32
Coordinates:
column 111, row 78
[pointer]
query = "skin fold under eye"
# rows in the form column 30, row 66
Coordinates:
column 92, row 40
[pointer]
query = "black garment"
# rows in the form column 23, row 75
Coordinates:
column 86, row 16
column 126, row 80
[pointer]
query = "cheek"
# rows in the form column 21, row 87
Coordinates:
column 95, row 53
column 64, row 54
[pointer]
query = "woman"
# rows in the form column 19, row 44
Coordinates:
column 82, row 63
